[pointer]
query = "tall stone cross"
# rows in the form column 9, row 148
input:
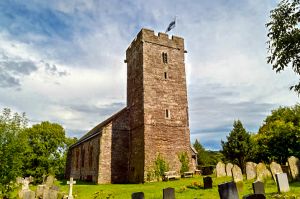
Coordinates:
column 71, row 182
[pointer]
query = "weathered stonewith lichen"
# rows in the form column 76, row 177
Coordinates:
column 228, row 169
column 220, row 170
column 155, row 121
column 275, row 169
column 250, row 170
column 262, row 172
column 294, row 166
column 237, row 173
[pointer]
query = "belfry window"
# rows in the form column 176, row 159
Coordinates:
column 165, row 58
column 168, row 116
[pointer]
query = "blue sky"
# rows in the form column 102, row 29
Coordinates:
column 62, row 61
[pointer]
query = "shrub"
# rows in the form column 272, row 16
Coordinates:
column 183, row 158
column 161, row 166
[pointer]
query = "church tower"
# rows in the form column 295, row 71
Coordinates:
column 157, row 103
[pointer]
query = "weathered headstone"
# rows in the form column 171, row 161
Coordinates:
column 71, row 183
column 237, row 173
column 207, row 181
column 275, row 168
column 40, row 191
column 250, row 170
column 282, row 182
column 262, row 172
column 255, row 196
column 25, row 182
column 228, row 191
column 50, row 194
column 228, row 169
column 137, row 195
column 26, row 194
column 258, row 187
column 294, row 165
column 169, row 193
column 220, row 169
column 50, row 181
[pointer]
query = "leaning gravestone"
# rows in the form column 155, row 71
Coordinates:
column 262, row 172
column 275, row 168
column 282, row 182
column 237, row 173
column 258, row 187
column 207, row 181
column 228, row 169
column 137, row 195
column 250, row 170
column 294, row 165
column 169, row 193
column 255, row 196
column 25, row 192
column 220, row 169
column 50, row 181
column 228, row 191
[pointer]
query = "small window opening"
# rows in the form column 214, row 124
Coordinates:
column 167, row 113
column 166, row 75
column 165, row 58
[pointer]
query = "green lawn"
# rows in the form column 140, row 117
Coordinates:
column 185, row 188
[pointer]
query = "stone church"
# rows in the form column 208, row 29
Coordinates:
column 123, row 148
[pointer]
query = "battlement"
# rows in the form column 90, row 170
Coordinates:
column 147, row 35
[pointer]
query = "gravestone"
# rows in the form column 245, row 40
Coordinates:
column 250, row 170
column 207, row 181
column 137, row 195
column 275, row 168
column 228, row 169
column 207, row 170
column 220, row 170
column 286, row 169
column 71, row 183
column 282, row 182
column 26, row 194
column 258, row 187
column 228, row 191
column 237, row 173
column 40, row 191
column 169, row 193
column 262, row 172
column 294, row 165
column 50, row 194
column 50, row 181
column 255, row 196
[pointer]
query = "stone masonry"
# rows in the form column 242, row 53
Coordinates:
column 124, row 147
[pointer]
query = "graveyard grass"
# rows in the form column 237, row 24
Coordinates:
column 188, row 188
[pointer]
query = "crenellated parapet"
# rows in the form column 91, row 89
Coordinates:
column 147, row 35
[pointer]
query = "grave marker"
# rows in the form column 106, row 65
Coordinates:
column 169, row 193
column 258, row 187
column 207, row 181
column 71, row 182
column 228, row 191
column 282, row 182
column 137, row 195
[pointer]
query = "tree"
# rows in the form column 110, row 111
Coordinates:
column 201, row 156
column 12, row 145
column 238, row 147
column 284, row 38
column 279, row 136
column 46, row 152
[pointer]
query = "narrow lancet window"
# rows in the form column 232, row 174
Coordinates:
column 167, row 114
column 165, row 58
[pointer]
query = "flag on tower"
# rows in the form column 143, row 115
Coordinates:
column 171, row 25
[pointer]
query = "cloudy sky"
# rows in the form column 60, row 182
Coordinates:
column 62, row 61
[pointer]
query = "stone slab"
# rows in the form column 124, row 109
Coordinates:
column 228, row 169
column 169, row 193
column 228, row 191
column 137, row 195
column 207, row 181
column 220, row 170
column 258, row 187
column 282, row 182
column 237, row 173
column 250, row 170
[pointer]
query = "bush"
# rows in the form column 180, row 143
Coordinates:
column 161, row 166
column 183, row 158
